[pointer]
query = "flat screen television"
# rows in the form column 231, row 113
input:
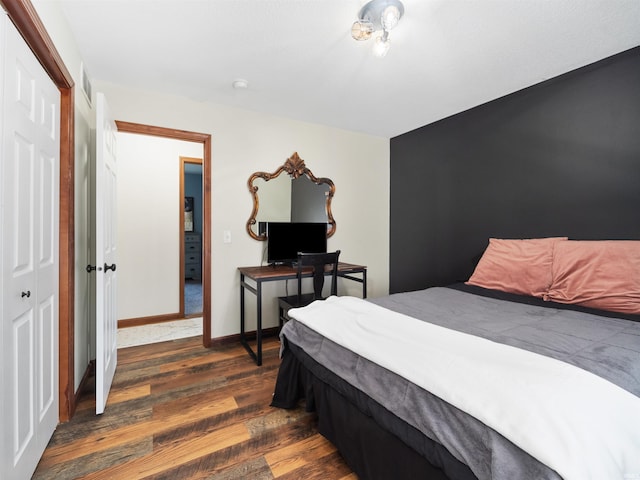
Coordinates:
column 285, row 240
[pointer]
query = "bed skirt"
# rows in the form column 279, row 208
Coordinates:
column 376, row 444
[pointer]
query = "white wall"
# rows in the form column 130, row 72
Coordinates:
column 84, row 333
column 148, row 223
column 244, row 142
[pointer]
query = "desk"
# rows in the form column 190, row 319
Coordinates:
column 259, row 275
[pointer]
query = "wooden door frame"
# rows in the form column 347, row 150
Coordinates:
column 26, row 20
column 28, row 23
column 183, row 162
column 205, row 139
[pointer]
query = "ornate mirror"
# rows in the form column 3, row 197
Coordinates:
column 296, row 196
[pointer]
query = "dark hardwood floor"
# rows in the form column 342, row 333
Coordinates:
column 180, row 411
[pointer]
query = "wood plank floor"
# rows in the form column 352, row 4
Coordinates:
column 180, row 411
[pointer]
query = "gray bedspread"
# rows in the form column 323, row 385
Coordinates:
column 608, row 347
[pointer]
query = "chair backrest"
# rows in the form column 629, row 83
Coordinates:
column 319, row 262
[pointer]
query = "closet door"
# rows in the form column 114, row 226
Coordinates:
column 29, row 216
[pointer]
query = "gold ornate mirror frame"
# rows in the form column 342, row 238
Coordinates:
column 294, row 166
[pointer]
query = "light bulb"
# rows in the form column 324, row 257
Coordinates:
column 361, row 30
column 390, row 17
column 381, row 47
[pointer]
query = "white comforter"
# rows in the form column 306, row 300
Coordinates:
column 573, row 421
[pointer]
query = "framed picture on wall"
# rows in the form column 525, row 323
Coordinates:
column 188, row 214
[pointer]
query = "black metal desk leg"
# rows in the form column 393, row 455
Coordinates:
column 257, row 291
column 364, row 284
column 259, row 325
column 242, row 339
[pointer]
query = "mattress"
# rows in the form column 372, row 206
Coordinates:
column 602, row 346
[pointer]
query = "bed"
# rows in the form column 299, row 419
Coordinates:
column 530, row 369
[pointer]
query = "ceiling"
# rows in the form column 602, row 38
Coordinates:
column 300, row 61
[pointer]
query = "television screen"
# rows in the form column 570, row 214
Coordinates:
column 285, row 240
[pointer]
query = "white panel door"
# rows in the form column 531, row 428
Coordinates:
column 106, row 276
column 30, row 149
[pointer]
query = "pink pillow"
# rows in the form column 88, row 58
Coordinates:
column 516, row 266
column 600, row 274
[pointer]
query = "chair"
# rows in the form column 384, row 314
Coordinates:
column 318, row 262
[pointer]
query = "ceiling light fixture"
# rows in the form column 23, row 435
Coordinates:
column 374, row 16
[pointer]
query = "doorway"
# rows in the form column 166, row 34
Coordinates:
column 28, row 23
column 191, row 247
column 205, row 139
column 31, row 28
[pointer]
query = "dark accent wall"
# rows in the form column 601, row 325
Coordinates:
column 559, row 158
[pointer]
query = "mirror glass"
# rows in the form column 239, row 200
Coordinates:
column 290, row 194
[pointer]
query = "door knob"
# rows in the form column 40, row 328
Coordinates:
column 109, row 267
column 26, row 294
column 90, row 268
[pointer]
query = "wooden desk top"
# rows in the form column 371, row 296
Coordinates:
column 284, row 272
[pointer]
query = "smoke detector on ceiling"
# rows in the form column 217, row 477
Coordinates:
column 240, row 84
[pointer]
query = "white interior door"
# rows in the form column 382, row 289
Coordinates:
column 29, row 219
column 106, row 275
